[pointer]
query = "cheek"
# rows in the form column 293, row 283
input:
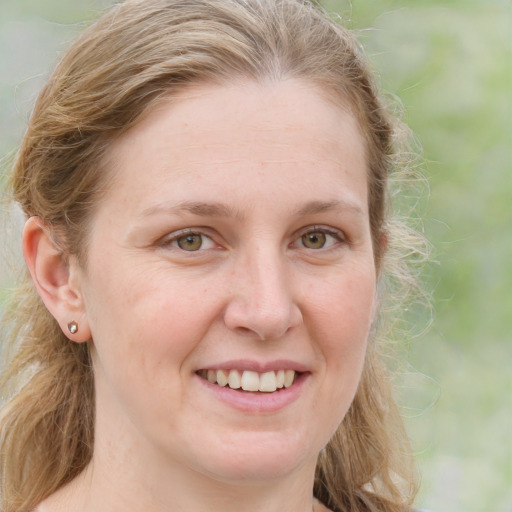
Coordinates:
column 343, row 309
column 341, row 324
column 341, row 329
column 146, row 320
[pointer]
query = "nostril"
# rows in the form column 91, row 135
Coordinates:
column 245, row 331
column 258, row 316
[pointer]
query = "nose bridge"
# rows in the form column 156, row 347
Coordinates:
column 268, row 280
column 263, row 303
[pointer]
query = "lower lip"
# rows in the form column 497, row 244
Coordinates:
column 257, row 402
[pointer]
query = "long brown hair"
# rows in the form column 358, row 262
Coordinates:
column 137, row 54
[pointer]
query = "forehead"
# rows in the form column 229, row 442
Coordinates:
column 269, row 107
column 287, row 132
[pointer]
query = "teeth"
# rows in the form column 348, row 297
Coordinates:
column 250, row 381
column 222, row 378
column 234, row 379
column 289, row 376
column 267, row 382
column 280, row 379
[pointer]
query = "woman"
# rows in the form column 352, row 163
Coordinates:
column 206, row 190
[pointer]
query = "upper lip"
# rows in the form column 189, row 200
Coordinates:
column 257, row 366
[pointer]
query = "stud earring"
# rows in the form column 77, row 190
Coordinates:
column 73, row 327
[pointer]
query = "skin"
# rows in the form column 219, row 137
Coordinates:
column 278, row 161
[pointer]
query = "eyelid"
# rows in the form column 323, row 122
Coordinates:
column 168, row 240
column 338, row 234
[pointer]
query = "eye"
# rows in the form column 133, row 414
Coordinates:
column 314, row 240
column 320, row 239
column 190, row 241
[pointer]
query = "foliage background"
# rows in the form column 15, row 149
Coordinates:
column 450, row 62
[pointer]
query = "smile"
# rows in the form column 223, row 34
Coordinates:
column 247, row 380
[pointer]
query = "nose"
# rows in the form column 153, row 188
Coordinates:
column 262, row 302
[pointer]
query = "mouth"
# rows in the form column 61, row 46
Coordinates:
column 251, row 381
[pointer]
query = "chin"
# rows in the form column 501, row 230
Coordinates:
column 258, row 458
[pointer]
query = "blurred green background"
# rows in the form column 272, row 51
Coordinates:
column 450, row 62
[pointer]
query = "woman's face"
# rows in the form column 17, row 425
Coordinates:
column 235, row 239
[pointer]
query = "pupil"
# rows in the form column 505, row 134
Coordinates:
column 190, row 242
column 314, row 240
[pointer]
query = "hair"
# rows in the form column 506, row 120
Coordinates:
column 139, row 53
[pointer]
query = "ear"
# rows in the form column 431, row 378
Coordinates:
column 57, row 279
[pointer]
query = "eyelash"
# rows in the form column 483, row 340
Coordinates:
column 172, row 240
column 337, row 235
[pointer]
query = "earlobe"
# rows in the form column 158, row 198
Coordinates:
column 56, row 279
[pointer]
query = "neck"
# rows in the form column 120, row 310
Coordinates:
column 116, row 483
column 90, row 492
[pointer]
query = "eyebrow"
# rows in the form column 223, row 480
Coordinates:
column 195, row 207
column 215, row 209
column 314, row 207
